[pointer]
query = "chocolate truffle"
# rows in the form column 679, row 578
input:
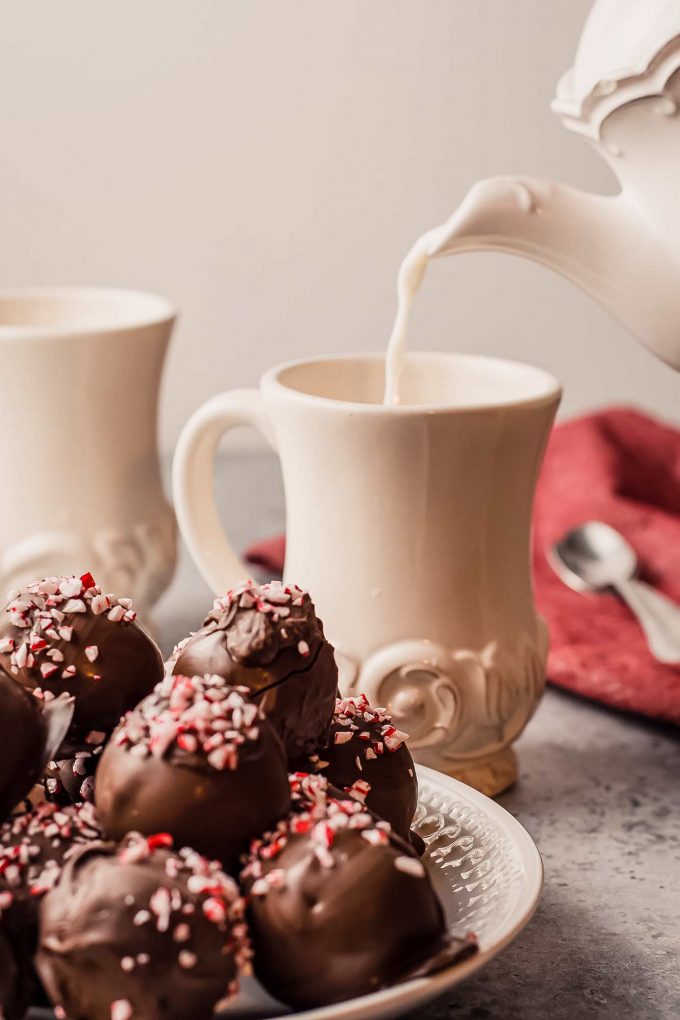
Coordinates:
column 340, row 907
column 269, row 639
column 35, row 843
column 64, row 635
column 33, row 848
column 366, row 756
column 197, row 760
column 141, row 933
column 24, row 737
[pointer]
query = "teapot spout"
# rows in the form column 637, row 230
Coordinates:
column 604, row 244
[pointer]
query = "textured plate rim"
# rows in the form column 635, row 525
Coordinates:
column 401, row 998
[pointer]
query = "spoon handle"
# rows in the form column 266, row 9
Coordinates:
column 659, row 618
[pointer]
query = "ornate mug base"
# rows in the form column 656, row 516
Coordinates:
column 462, row 708
column 490, row 775
column 137, row 560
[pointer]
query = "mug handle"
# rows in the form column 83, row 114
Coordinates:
column 193, row 488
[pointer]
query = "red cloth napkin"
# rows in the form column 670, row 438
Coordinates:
column 622, row 467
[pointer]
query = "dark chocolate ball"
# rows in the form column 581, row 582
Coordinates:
column 141, row 933
column 70, row 778
column 23, row 737
column 366, row 756
column 340, row 907
column 269, row 639
column 63, row 635
column 197, row 760
column 34, row 845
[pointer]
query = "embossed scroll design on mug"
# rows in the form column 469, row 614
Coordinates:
column 456, row 705
column 138, row 561
column 471, row 856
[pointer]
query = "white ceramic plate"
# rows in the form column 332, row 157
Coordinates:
column 488, row 874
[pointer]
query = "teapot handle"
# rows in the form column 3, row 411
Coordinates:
column 192, row 483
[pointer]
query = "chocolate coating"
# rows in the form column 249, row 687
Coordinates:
column 269, row 639
column 340, row 907
column 367, row 757
column 62, row 635
column 198, row 761
column 141, row 933
column 15, row 977
column 23, row 734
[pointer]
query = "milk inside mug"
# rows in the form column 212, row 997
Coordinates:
column 81, row 370
column 410, row 527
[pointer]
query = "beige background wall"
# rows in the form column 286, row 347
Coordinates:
column 266, row 163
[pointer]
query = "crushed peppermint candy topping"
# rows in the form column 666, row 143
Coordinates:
column 199, row 714
column 359, row 790
column 257, row 623
column 191, row 887
column 35, row 844
column 39, row 613
column 187, row 959
column 371, row 729
column 275, row 597
column 321, row 823
column 121, row 1009
column 308, row 790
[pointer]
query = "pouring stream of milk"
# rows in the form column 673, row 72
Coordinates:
column 453, row 236
column 411, row 273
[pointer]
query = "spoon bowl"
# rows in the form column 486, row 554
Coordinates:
column 593, row 556
column 596, row 557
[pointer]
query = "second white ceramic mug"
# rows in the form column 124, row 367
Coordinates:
column 410, row 526
column 81, row 371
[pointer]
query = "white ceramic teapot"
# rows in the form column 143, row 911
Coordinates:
column 623, row 94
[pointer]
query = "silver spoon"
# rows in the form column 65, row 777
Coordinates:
column 594, row 557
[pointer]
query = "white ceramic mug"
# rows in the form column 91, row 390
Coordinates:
column 80, row 374
column 410, row 526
